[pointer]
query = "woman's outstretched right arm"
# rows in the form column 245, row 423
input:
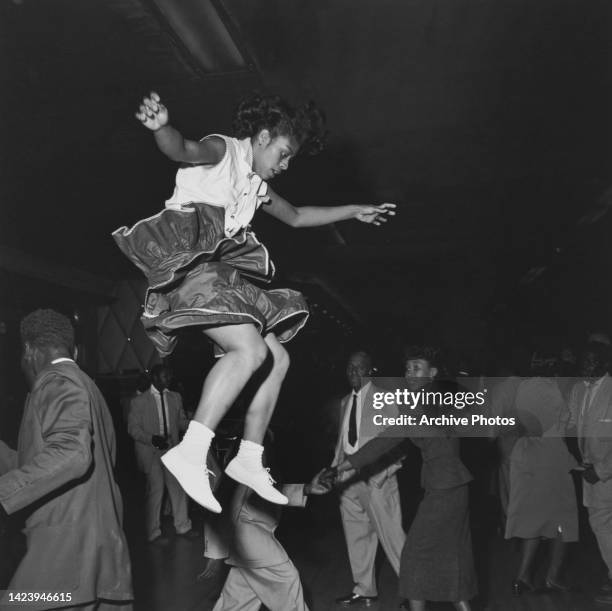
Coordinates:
column 154, row 116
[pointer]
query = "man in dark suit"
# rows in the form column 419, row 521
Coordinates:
column 62, row 475
column 156, row 421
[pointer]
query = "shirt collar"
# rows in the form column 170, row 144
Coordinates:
column 247, row 152
column 62, row 359
column 261, row 185
column 154, row 390
column 357, row 393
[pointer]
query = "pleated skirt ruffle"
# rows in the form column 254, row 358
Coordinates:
column 199, row 277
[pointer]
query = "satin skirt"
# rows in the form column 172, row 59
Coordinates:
column 198, row 277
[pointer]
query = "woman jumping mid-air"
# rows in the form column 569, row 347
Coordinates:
column 197, row 255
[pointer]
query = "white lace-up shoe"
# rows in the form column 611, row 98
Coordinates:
column 193, row 478
column 257, row 478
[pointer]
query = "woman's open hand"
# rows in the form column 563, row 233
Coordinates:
column 376, row 214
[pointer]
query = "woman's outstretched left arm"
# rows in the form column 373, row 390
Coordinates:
column 314, row 216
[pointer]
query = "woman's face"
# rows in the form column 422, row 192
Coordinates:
column 418, row 373
column 271, row 156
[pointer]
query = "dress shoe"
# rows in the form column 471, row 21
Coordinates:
column 257, row 478
column 557, row 586
column 193, row 478
column 190, row 534
column 520, row 587
column 356, row 599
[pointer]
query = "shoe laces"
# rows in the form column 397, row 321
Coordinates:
column 269, row 476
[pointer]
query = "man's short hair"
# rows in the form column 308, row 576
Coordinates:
column 363, row 351
column 430, row 354
column 47, row 329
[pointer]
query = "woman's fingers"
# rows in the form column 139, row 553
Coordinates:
column 386, row 208
column 150, row 108
column 146, row 111
column 151, row 105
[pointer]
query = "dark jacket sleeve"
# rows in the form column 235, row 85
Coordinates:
column 63, row 410
column 387, row 441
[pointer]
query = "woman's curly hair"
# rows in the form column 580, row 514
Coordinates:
column 305, row 124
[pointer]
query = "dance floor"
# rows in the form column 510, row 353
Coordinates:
column 165, row 576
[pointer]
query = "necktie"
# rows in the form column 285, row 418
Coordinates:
column 352, row 432
column 588, row 395
column 163, row 410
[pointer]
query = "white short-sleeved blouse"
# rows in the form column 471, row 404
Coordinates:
column 230, row 184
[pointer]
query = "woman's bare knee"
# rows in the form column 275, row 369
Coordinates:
column 254, row 353
column 242, row 341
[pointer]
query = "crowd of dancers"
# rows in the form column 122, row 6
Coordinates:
column 205, row 270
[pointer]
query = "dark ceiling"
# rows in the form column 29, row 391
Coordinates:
column 487, row 122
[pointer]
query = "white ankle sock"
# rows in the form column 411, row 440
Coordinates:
column 250, row 453
column 196, row 442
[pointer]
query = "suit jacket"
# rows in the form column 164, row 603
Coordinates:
column 254, row 544
column 143, row 423
column 62, row 475
column 377, row 471
column 593, row 426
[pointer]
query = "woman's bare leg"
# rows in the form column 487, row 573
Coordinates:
column 264, row 400
column 529, row 547
column 557, row 556
column 245, row 352
column 247, row 467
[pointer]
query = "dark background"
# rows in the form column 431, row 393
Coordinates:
column 486, row 122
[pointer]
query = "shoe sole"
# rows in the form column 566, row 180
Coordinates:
column 237, row 476
column 174, row 466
